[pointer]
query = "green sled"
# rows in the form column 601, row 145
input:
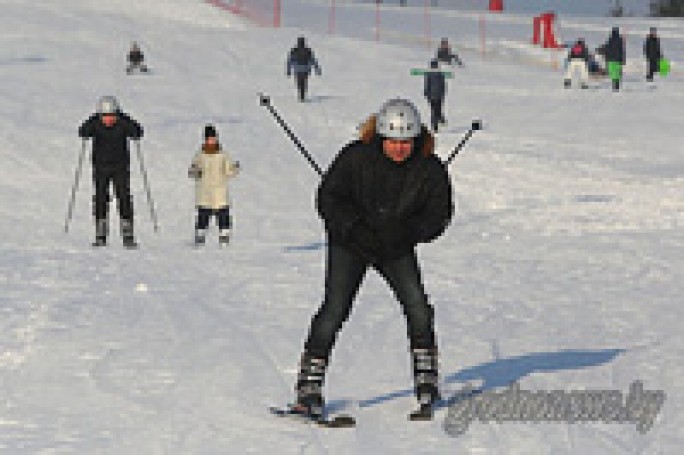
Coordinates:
column 615, row 70
column 664, row 67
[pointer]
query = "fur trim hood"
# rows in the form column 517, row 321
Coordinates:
column 367, row 134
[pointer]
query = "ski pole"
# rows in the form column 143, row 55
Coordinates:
column 147, row 187
column 476, row 125
column 77, row 177
column 266, row 101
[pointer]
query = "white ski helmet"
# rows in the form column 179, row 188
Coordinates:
column 108, row 105
column 398, row 119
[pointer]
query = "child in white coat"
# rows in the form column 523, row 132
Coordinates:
column 211, row 168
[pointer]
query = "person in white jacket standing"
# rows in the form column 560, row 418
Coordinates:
column 211, row 168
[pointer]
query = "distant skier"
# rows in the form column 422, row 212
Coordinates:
column 110, row 130
column 300, row 60
column 382, row 195
column 446, row 55
column 578, row 60
column 614, row 53
column 211, row 168
column 652, row 53
column 435, row 92
column 136, row 60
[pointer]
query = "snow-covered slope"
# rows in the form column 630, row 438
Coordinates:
column 561, row 270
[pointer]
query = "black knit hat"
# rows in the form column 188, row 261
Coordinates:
column 210, row 131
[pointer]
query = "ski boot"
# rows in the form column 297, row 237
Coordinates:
column 127, row 234
column 425, row 375
column 309, row 388
column 200, row 236
column 567, row 83
column 101, row 227
column 224, row 237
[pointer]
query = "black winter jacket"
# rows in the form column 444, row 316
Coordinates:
column 445, row 55
column 435, row 86
column 614, row 49
column 110, row 145
column 364, row 186
column 652, row 48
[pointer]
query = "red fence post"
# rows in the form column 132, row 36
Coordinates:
column 377, row 20
column 427, row 23
column 276, row 13
column 483, row 36
column 331, row 18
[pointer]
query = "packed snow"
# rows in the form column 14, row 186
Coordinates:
column 561, row 270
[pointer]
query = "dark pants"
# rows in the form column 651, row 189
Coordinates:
column 302, row 80
column 653, row 67
column 121, row 180
column 344, row 273
column 222, row 217
column 437, row 117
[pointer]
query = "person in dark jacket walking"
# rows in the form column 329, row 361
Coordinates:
column 110, row 129
column 578, row 60
column 300, row 60
column 446, row 55
column 652, row 53
column 382, row 195
column 614, row 53
column 435, row 91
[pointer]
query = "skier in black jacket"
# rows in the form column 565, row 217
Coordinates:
column 614, row 53
column 300, row 60
column 446, row 55
column 435, row 92
column 110, row 130
column 382, row 195
column 652, row 53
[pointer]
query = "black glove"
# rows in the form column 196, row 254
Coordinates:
column 365, row 241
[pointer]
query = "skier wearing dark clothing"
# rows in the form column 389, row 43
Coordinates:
column 446, row 55
column 136, row 60
column 382, row 195
column 300, row 60
column 110, row 130
column 652, row 53
column 614, row 53
column 435, row 91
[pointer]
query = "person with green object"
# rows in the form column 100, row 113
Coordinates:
column 614, row 53
column 653, row 54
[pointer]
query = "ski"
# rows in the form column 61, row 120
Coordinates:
column 327, row 421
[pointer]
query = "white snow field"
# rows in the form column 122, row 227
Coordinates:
column 563, row 268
